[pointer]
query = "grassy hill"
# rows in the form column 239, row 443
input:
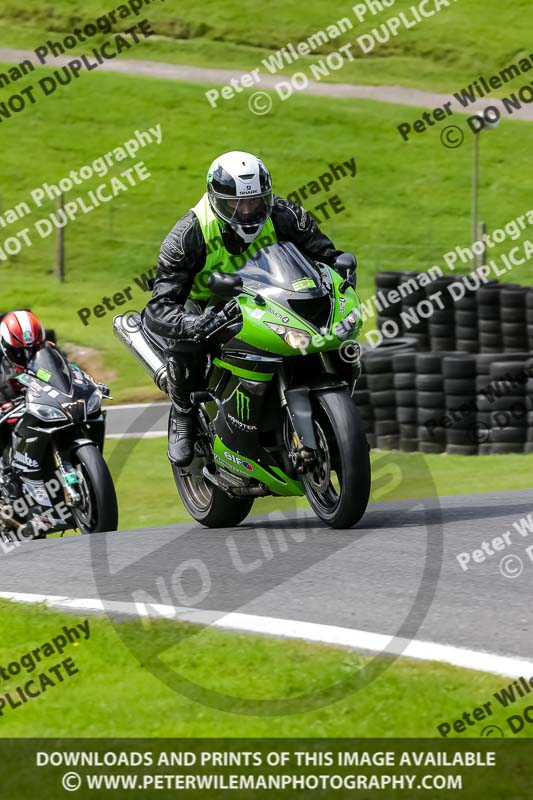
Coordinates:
column 442, row 52
column 408, row 205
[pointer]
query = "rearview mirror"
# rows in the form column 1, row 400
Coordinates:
column 223, row 284
column 344, row 263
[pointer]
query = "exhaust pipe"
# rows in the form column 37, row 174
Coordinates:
column 128, row 328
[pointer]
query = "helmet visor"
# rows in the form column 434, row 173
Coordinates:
column 253, row 210
column 19, row 356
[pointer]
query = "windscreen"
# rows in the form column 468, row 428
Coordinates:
column 282, row 265
column 51, row 367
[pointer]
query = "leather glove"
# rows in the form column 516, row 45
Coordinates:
column 200, row 326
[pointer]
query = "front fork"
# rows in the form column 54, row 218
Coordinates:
column 299, row 438
column 68, row 477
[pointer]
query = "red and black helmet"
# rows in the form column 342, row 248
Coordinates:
column 21, row 335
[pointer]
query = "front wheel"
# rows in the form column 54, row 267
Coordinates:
column 338, row 485
column 97, row 511
column 206, row 503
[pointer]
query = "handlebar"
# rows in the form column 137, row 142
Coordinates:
column 229, row 313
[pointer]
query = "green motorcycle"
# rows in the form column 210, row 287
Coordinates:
column 276, row 418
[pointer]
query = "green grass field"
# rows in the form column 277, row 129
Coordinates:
column 442, row 53
column 112, row 692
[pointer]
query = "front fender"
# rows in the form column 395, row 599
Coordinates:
column 301, row 411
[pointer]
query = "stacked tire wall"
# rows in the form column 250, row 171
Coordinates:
column 380, row 380
column 455, row 403
column 404, row 368
column 494, row 318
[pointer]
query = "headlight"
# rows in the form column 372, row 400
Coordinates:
column 292, row 336
column 46, row 413
column 297, row 339
column 94, row 402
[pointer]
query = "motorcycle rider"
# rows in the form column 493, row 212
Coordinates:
column 220, row 233
column 21, row 335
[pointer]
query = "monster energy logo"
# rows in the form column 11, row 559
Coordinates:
column 243, row 406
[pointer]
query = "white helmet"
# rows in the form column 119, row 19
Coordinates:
column 239, row 188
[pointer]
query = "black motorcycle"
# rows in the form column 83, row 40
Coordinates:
column 53, row 476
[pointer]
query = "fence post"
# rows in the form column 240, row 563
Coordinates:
column 60, row 247
column 481, row 230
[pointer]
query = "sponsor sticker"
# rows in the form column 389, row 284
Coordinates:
column 43, row 375
column 277, row 314
column 304, row 283
column 238, row 461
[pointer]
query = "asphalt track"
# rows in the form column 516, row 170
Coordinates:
column 137, row 420
column 289, row 569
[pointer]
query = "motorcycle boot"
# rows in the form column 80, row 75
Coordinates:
column 182, row 419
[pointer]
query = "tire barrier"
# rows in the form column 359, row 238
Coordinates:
column 431, row 406
column 529, row 319
column 362, row 399
column 452, row 402
column 379, row 371
column 404, row 369
column 495, row 318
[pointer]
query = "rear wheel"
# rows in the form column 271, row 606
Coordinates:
column 206, row 503
column 97, row 511
column 338, row 487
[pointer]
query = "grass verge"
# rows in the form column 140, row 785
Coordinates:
column 149, row 498
column 443, row 52
column 112, row 694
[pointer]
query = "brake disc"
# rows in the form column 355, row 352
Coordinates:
column 319, row 477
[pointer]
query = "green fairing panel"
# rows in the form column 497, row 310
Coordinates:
column 282, row 486
column 255, row 331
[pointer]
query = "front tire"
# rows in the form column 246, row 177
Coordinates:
column 207, row 504
column 338, row 487
column 98, row 510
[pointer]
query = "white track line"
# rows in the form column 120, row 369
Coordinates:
column 147, row 435
column 125, row 407
column 292, row 629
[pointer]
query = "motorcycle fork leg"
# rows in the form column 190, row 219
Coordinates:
column 65, row 471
